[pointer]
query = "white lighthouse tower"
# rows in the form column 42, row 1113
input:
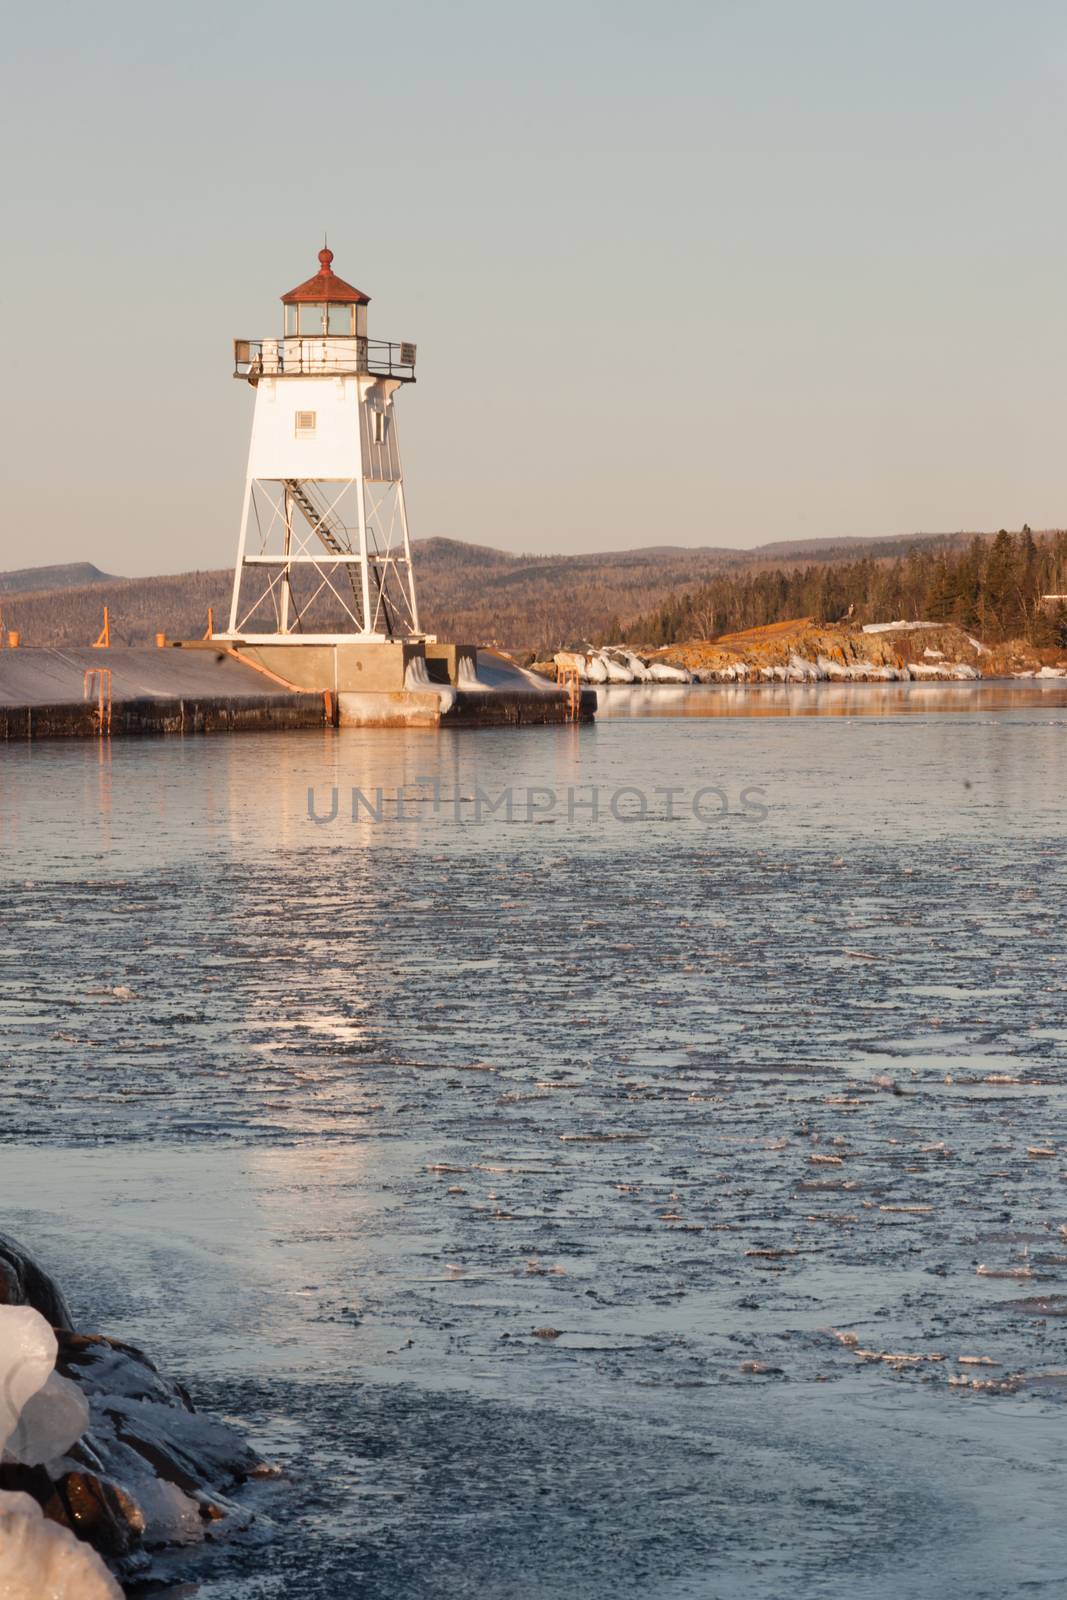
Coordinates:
column 324, row 555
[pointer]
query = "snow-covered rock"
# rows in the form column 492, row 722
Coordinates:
column 27, row 1360
column 803, row 671
column 637, row 667
column 572, row 661
column 617, row 670
column 39, row 1560
column 900, row 626
column 661, row 672
column 87, row 1421
column 41, row 1416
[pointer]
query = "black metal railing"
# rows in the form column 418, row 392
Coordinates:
column 323, row 356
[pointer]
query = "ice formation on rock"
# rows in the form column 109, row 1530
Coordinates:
column 41, row 1415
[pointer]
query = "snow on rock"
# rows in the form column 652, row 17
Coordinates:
column 52, row 1420
column 39, row 1560
column 801, row 670
column 41, row 1415
column 90, row 1423
column 571, row 661
column 617, row 670
column 27, row 1360
column 897, row 627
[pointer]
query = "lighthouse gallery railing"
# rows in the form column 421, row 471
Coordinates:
column 326, row 357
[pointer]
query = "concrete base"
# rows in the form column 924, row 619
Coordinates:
column 342, row 668
column 417, row 684
column 401, row 709
column 461, row 708
column 447, row 663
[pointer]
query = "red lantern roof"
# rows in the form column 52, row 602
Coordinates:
column 325, row 286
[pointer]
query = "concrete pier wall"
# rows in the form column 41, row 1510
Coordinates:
column 44, row 694
column 203, row 688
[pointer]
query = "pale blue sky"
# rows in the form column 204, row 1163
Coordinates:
column 678, row 273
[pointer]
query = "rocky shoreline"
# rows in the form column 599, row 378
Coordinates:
column 804, row 651
column 103, row 1460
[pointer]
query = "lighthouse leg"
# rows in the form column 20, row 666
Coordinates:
column 238, row 569
column 364, row 566
column 413, row 604
column 287, row 588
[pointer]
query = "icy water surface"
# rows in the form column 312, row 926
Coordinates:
column 574, row 1206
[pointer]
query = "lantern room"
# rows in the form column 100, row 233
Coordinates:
column 325, row 306
column 325, row 335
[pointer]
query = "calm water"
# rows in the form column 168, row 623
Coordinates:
column 763, row 1050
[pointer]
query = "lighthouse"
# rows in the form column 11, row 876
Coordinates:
column 324, row 554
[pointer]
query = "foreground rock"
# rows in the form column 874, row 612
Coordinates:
column 100, row 1441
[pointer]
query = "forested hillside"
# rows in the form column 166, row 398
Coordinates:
column 657, row 596
column 992, row 586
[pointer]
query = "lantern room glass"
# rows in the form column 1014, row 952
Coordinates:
column 312, row 318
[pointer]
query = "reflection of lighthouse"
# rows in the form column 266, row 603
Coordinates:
column 324, row 553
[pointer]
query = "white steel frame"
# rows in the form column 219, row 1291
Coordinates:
column 374, row 556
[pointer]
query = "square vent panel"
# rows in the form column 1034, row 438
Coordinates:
column 305, row 422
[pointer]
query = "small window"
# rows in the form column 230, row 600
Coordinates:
column 290, row 321
column 312, row 318
column 339, row 320
column 379, row 427
column 305, row 423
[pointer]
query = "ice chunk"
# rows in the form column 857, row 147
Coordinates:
column 27, row 1356
column 171, row 1516
column 39, row 1560
column 51, row 1421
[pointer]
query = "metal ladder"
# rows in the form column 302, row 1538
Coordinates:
column 334, row 535
column 329, row 529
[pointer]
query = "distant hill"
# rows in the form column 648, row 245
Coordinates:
column 70, row 575
column 853, row 547
column 467, row 592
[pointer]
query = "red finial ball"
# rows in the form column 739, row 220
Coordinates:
column 325, row 257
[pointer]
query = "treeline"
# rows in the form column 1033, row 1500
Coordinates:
column 993, row 586
column 530, row 604
column 538, row 604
